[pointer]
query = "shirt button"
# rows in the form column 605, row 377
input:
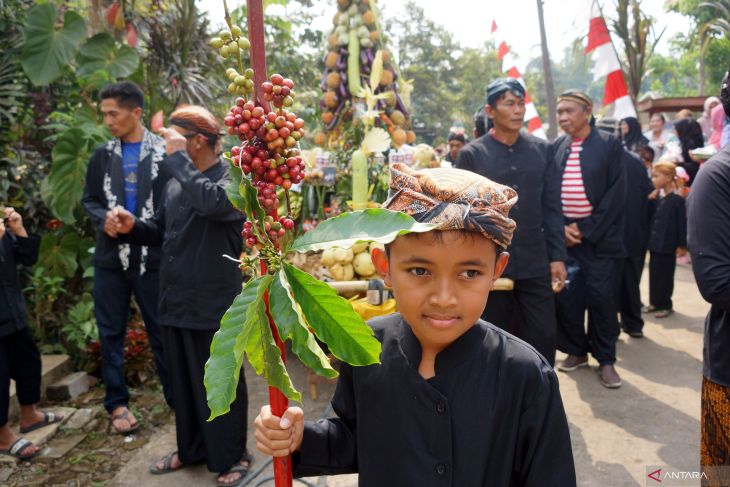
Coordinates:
column 440, row 408
column 514, row 168
column 440, row 469
column 171, row 258
column 510, row 149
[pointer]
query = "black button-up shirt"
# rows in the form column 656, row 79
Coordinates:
column 669, row 228
column 529, row 168
column 492, row 415
column 708, row 215
column 14, row 250
column 196, row 225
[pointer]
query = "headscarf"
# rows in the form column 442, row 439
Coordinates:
column 198, row 120
column 718, row 123
column 500, row 86
column 708, row 108
column 576, row 96
column 453, row 199
column 725, row 93
column 690, row 136
column 634, row 139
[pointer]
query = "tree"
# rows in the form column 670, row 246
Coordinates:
column 639, row 39
column 548, row 75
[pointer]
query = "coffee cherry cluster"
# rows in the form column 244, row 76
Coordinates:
column 279, row 91
column 274, row 230
column 241, row 84
column 230, row 42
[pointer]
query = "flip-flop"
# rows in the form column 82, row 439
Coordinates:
column 48, row 418
column 17, row 448
column 125, row 416
column 242, row 469
column 166, row 465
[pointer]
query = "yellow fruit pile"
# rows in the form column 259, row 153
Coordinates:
column 350, row 264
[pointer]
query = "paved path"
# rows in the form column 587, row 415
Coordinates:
column 652, row 420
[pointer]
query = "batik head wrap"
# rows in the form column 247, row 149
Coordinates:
column 453, row 199
column 500, row 86
column 198, row 120
column 576, row 96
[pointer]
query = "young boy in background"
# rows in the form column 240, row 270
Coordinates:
column 455, row 400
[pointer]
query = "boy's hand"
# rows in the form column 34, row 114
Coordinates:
column 124, row 220
column 14, row 222
column 279, row 437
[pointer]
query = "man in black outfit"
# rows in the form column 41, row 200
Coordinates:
column 593, row 194
column 124, row 171
column 537, row 253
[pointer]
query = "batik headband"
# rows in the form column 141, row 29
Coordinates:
column 453, row 199
column 501, row 86
column 576, row 96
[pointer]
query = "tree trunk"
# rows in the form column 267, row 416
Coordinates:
column 552, row 131
column 702, row 68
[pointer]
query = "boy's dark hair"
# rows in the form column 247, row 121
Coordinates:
column 126, row 93
column 457, row 136
column 647, row 153
column 437, row 236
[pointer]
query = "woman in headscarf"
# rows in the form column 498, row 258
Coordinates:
column 690, row 137
column 631, row 136
column 658, row 135
column 718, row 124
column 705, row 120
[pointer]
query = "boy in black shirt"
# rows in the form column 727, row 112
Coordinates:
column 455, row 400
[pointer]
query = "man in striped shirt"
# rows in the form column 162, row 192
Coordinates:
column 593, row 189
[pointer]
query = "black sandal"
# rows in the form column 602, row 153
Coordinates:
column 48, row 418
column 124, row 416
column 238, row 468
column 16, row 449
column 166, row 465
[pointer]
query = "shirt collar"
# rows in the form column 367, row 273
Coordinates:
column 461, row 350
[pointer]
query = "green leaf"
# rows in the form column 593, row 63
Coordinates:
column 376, row 224
column 253, row 208
column 232, row 190
column 48, row 49
column 293, row 326
column 102, row 53
column 244, row 328
column 68, row 172
column 334, row 321
column 58, row 258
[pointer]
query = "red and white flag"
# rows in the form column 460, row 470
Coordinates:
column 534, row 125
column 607, row 65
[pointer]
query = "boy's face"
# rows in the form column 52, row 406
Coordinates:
column 441, row 282
column 660, row 179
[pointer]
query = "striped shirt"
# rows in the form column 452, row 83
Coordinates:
column 573, row 193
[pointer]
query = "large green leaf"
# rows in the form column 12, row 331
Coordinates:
column 244, row 328
column 333, row 320
column 253, row 210
column 376, row 224
column 232, row 190
column 48, row 49
column 68, row 172
column 58, row 257
column 102, row 53
column 293, row 326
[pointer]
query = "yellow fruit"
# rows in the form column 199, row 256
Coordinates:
column 387, row 77
column 397, row 117
column 327, row 117
column 330, row 99
column 410, row 137
column 328, row 257
column 399, row 137
column 320, row 138
column 363, row 264
column 343, row 4
column 342, row 272
column 368, row 17
column 332, row 58
column 359, row 248
column 332, row 41
column 343, row 256
column 374, row 36
column 386, row 56
column 333, row 81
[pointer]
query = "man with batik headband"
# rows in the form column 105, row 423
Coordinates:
column 593, row 191
column 454, row 401
column 197, row 226
column 708, row 235
column 537, row 253
column 124, row 171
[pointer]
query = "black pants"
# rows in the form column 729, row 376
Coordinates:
column 20, row 360
column 220, row 443
column 661, row 279
column 591, row 288
column 112, row 294
column 527, row 312
column 627, row 292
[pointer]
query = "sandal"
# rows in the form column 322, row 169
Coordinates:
column 16, row 450
column 166, row 465
column 238, row 468
column 663, row 313
column 648, row 309
column 124, row 416
column 48, row 418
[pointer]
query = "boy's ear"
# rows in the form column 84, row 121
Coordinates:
column 382, row 266
column 500, row 266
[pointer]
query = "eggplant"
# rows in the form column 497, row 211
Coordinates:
column 401, row 106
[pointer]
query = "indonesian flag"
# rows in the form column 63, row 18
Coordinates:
column 534, row 125
column 607, row 65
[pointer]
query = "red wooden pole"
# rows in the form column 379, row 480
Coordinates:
column 277, row 400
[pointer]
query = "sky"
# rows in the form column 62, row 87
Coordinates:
column 470, row 20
